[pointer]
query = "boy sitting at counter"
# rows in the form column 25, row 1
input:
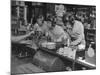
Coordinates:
column 55, row 32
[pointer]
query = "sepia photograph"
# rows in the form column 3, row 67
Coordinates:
column 52, row 37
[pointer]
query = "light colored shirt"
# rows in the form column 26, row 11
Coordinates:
column 78, row 33
column 57, row 33
column 42, row 28
column 37, row 27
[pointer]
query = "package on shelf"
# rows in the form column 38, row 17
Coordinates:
column 72, row 54
column 67, row 51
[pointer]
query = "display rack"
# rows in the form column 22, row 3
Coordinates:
column 19, row 16
column 19, row 11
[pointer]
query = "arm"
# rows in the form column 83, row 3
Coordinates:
column 18, row 38
column 79, row 39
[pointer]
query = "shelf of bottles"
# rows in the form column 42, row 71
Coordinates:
column 18, row 15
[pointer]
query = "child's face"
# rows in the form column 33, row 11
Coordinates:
column 49, row 24
column 40, row 21
column 68, row 27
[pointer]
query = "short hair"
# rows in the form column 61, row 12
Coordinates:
column 50, row 18
column 70, row 16
column 40, row 16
